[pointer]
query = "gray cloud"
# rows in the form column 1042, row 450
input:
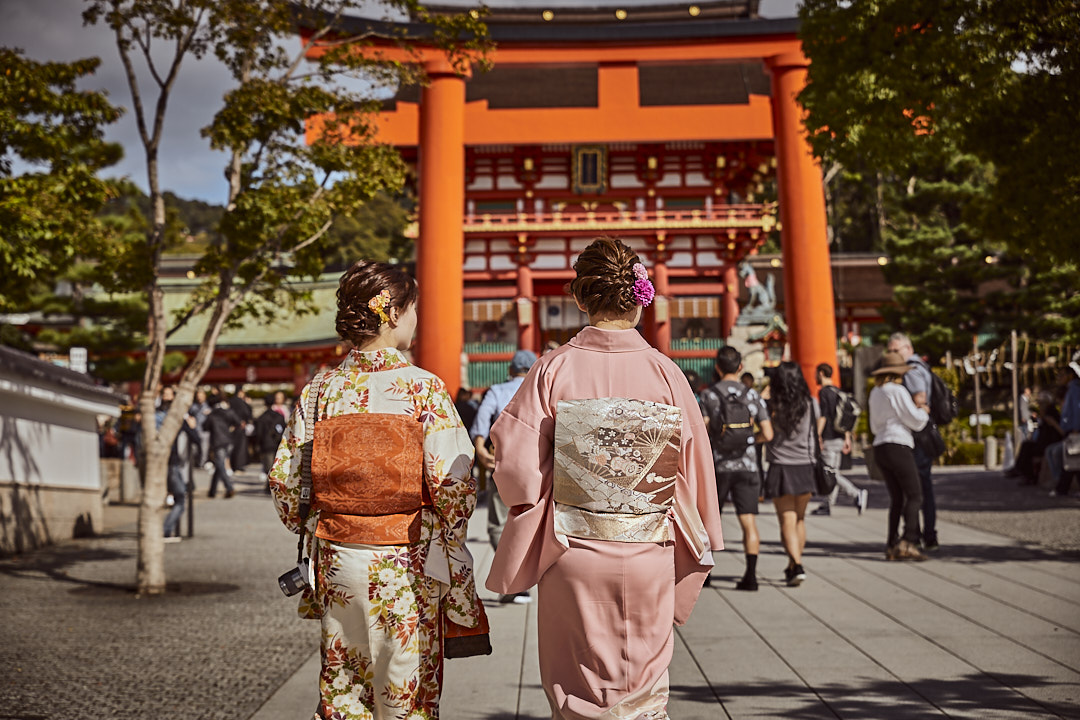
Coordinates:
column 54, row 31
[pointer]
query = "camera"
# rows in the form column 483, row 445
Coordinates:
column 295, row 580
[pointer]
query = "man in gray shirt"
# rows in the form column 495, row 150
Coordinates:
column 737, row 471
column 918, row 383
column 495, row 399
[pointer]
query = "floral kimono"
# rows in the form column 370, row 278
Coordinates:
column 381, row 605
column 605, row 462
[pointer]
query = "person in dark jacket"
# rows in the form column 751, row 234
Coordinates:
column 269, row 427
column 221, row 424
column 239, row 405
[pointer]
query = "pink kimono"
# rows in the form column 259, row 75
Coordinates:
column 606, row 608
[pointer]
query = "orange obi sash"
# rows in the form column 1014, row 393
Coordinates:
column 367, row 473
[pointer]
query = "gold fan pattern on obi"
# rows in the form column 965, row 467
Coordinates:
column 616, row 460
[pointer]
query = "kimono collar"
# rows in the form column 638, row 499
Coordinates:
column 593, row 338
column 375, row 360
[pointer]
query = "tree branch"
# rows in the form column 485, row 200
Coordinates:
column 144, row 45
column 133, row 85
column 315, row 37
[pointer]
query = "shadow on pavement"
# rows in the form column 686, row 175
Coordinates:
column 970, row 695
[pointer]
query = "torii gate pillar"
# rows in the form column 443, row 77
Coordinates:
column 808, row 291
column 441, row 249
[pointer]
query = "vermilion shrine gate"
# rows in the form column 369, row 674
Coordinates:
column 664, row 126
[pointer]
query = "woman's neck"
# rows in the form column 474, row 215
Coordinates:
column 380, row 342
column 614, row 325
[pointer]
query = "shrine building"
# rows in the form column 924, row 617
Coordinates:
column 674, row 127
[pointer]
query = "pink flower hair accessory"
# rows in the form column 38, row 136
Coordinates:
column 378, row 305
column 643, row 290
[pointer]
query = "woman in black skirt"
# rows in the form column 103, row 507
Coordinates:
column 790, row 480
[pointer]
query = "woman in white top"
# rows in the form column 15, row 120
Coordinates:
column 893, row 418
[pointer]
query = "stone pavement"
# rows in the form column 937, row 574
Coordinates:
column 987, row 628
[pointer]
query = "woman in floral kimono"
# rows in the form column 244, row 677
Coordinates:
column 605, row 462
column 382, row 605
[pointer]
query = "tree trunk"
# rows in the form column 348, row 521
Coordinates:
column 150, row 573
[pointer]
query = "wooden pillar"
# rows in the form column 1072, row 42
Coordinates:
column 526, row 310
column 729, row 301
column 440, row 254
column 662, row 309
column 808, row 291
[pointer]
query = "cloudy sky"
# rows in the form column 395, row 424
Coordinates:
column 53, row 30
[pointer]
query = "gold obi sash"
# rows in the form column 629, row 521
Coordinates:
column 367, row 475
column 615, row 465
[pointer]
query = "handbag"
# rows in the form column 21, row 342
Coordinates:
column 460, row 641
column 929, row 440
column 1071, row 453
column 824, row 476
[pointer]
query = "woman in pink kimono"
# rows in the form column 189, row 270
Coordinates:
column 385, row 584
column 604, row 460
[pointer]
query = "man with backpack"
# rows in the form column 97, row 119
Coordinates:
column 919, row 381
column 836, row 420
column 730, row 410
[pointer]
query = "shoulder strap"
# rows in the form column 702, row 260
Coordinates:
column 311, row 414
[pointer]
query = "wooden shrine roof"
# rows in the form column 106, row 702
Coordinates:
column 669, row 23
column 523, row 86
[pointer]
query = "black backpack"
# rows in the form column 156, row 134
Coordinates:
column 847, row 412
column 731, row 428
column 943, row 405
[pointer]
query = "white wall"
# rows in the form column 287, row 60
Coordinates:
column 48, row 437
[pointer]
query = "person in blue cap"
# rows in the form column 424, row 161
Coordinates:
column 495, row 399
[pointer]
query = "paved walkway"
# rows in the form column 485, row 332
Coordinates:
column 990, row 628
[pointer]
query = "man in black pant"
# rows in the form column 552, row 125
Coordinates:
column 737, row 470
column 239, row 405
column 221, row 424
column 918, row 383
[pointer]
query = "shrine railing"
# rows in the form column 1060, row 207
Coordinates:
column 761, row 217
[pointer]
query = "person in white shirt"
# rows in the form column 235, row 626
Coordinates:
column 894, row 416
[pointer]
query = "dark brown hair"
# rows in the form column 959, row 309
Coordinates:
column 356, row 322
column 605, row 277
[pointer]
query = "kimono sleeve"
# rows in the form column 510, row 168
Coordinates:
column 285, row 474
column 524, row 437
column 695, row 493
column 448, row 457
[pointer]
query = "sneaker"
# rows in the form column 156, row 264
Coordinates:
column 822, row 509
column 890, row 553
column 862, row 500
column 909, row 551
column 930, row 546
column 747, row 583
column 172, row 539
column 208, row 466
column 795, row 575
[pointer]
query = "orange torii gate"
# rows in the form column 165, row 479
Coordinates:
column 442, row 123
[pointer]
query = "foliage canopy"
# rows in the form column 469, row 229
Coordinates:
column 899, row 85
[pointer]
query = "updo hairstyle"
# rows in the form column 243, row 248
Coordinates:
column 356, row 322
column 605, row 277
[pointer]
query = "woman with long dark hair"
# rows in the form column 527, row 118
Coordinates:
column 790, row 480
column 605, row 462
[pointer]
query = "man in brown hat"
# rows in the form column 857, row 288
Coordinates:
column 918, row 383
